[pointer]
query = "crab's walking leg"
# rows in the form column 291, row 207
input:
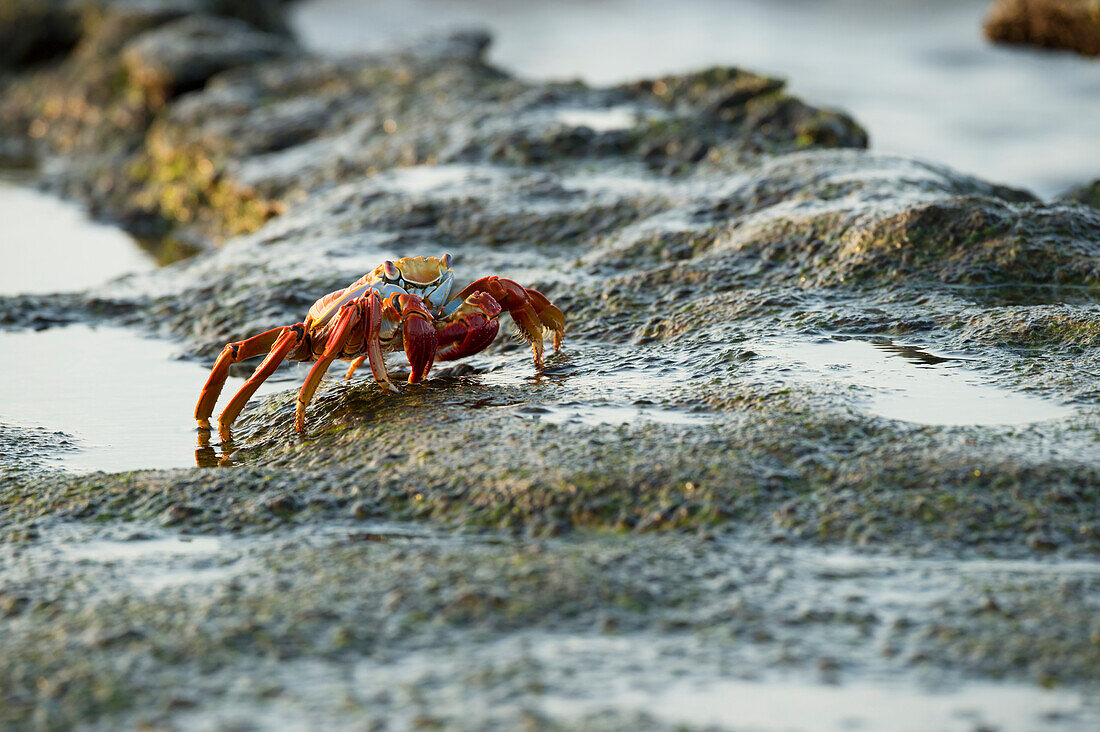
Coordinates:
column 355, row 366
column 372, row 314
column 288, row 340
column 550, row 316
column 348, row 317
column 532, row 312
column 230, row 355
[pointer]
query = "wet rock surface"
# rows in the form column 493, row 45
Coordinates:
column 1088, row 193
column 667, row 497
column 183, row 55
column 1069, row 24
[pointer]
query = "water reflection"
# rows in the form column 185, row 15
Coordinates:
column 906, row 383
column 126, row 399
column 51, row 245
column 207, row 455
column 913, row 354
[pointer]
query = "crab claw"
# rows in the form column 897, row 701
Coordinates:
column 472, row 328
column 420, row 341
column 417, row 332
column 484, row 302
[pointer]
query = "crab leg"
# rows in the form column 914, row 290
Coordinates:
column 550, row 316
column 231, row 354
column 532, row 312
column 355, row 366
column 287, row 341
column 346, row 320
column 372, row 315
column 420, row 344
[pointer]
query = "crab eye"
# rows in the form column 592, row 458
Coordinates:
column 448, row 260
column 390, row 271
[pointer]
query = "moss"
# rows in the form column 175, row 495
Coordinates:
column 1006, row 638
column 1047, row 329
column 188, row 186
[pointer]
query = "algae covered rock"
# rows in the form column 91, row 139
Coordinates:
column 680, row 221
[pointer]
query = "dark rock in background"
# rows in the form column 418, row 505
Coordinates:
column 1073, row 25
column 1087, row 193
column 36, row 31
column 182, row 55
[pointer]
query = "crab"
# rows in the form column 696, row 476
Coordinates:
column 404, row 304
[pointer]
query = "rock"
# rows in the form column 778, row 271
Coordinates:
column 222, row 162
column 1069, row 24
column 11, row 604
column 83, row 101
column 1088, row 194
column 36, row 31
column 183, row 55
column 283, row 504
column 671, row 469
column 362, row 510
column 178, row 513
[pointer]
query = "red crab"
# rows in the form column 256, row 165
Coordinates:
column 404, row 304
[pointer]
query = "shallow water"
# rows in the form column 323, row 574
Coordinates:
column 907, row 383
column 786, row 705
column 919, row 76
column 125, row 399
column 603, row 120
column 49, row 245
column 138, row 549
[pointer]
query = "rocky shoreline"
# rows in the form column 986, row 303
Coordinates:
column 667, row 482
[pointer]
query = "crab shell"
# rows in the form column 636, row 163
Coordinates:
column 430, row 278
